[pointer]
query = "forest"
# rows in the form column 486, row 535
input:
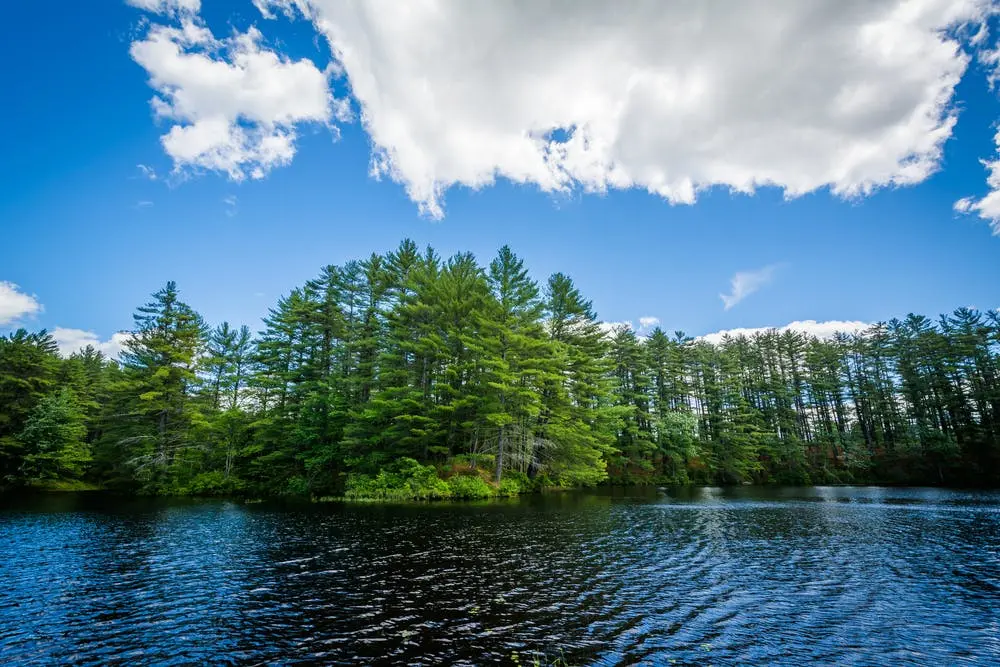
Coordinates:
column 410, row 376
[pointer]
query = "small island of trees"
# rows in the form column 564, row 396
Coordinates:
column 408, row 376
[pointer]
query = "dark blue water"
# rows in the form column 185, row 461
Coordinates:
column 858, row 576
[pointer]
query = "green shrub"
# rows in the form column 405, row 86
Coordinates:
column 543, row 481
column 482, row 461
column 470, row 487
column 65, row 485
column 404, row 480
column 524, row 483
column 214, row 483
column 297, row 486
column 407, row 479
column 509, row 487
column 358, row 487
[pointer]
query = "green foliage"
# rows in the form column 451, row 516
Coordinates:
column 380, row 377
column 28, row 364
column 471, row 487
column 510, row 486
column 677, row 443
column 405, row 480
column 213, row 483
column 54, row 439
column 65, row 485
column 579, row 418
column 151, row 442
column 297, row 486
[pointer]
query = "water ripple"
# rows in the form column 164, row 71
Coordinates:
column 744, row 576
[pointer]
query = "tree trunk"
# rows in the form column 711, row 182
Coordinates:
column 499, row 473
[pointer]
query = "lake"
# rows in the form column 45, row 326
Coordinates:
column 831, row 575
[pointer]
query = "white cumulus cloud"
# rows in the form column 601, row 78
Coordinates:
column 234, row 102
column 824, row 330
column 672, row 98
column 74, row 340
column 15, row 304
column 745, row 283
column 648, row 322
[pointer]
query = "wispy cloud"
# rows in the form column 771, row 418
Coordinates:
column 231, row 201
column 745, row 283
column 988, row 205
column 143, row 203
column 147, row 172
column 182, row 7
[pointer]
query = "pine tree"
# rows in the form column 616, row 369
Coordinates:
column 403, row 367
column 54, row 439
column 28, row 366
column 636, row 441
column 153, row 437
column 577, row 414
column 515, row 355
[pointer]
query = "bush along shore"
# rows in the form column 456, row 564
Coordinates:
column 406, row 375
column 409, row 480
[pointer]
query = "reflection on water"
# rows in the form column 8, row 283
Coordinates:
column 698, row 576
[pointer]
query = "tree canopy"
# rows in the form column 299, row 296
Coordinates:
column 409, row 375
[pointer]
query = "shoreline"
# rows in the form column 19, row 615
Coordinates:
column 598, row 490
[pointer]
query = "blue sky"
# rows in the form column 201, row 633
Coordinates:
column 88, row 236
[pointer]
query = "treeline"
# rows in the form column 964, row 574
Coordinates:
column 406, row 375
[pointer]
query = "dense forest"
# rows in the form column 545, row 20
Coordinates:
column 406, row 375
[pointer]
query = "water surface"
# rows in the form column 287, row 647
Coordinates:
column 854, row 576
